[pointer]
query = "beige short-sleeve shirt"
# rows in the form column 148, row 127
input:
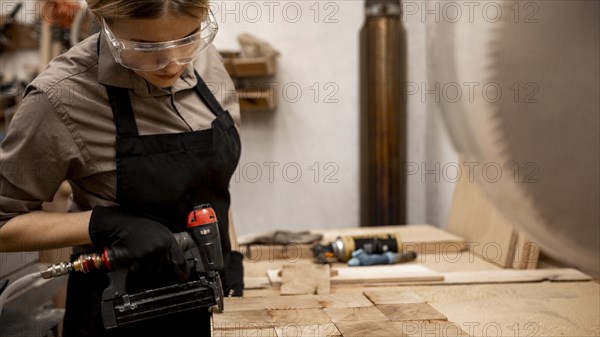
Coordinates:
column 64, row 129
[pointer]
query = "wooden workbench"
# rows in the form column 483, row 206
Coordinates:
column 498, row 302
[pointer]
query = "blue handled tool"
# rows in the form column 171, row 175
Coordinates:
column 361, row 258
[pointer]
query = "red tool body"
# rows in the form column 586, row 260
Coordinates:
column 203, row 227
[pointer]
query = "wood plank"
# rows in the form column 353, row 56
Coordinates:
column 385, row 274
column 266, row 292
column 534, row 254
column 371, row 329
column 514, row 275
column 250, row 66
column 355, row 314
column 521, row 252
column 430, row 328
column 374, row 274
column 527, row 252
column 461, row 261
column 411, row 312
column 388, row 296
column 243, row 303
column 242, row 320
column 344, row 300
column 541, row 308
column 476, row 277
column 259, row 268
column 299, row 317
column 305, row 278
column 268, row 332
column 318, row 330
column 489, row 233
column 508, row 276
column 291, row 302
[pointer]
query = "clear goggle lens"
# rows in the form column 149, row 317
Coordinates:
column 148, row 56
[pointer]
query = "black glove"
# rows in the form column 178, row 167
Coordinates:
column 233, row 274
column 143, row 241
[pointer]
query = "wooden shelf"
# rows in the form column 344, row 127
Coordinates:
column 252, row 97
column 250, row 66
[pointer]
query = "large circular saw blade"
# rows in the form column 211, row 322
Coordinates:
column 536, row 115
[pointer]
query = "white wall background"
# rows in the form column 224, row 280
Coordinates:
column 299, row 166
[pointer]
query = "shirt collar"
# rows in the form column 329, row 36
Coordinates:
column 112, row 73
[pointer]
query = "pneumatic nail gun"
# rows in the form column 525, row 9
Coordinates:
column 202, row 247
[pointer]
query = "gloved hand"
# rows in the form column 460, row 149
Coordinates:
column 146, row 242
column 233, row 274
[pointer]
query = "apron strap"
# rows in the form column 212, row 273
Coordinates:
column 223, row 119
column 120, row 105
column 122, row 112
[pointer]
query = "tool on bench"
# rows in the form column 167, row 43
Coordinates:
column 202, row 247
column 342, row 248
column 362, row 258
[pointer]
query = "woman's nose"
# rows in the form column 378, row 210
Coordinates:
column 171, row 68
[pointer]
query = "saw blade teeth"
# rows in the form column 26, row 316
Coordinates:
column 544, row 59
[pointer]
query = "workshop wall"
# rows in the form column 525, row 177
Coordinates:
column 299, row 165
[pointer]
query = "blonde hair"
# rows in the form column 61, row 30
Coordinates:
column 112, row 10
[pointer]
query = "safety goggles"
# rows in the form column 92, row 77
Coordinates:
column 149, row 56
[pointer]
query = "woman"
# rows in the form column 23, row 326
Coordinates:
column 127, row 118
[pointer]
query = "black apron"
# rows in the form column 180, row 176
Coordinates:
column 162, row 176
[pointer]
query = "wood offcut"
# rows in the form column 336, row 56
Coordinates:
column 387, row 296
column 411, row 312
column 371, row 314
column 305, row 279
column 373, row 274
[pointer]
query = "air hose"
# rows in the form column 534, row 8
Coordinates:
column 16, row 285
